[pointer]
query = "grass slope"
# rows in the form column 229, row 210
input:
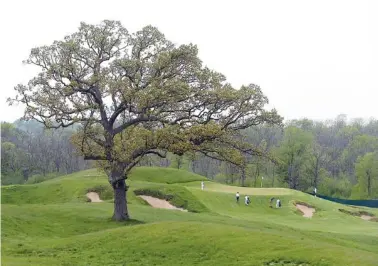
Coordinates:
column 187, row 243
column 52, row 224
column 327, row 217
column 163, row 175
column 73, row 187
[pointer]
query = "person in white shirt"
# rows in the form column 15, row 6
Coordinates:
column 237, row 197
column 202, row 185
column 315, row 191
column 278, row 203
column 246, row 200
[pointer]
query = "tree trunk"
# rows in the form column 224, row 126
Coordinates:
column 25, row 173
column 179, row 161
column 290, row 175
column 257, row 173
column 120, row 202
column 243, row 177
column 57, row 166
column 368, row 183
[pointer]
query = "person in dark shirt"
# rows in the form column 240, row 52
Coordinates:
column 271, row 202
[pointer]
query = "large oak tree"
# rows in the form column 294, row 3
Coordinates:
column 138, row 94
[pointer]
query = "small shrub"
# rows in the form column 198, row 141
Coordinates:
column 11, row 179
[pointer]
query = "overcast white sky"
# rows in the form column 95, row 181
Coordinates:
column 314, row 59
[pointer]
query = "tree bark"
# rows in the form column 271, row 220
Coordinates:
column 316, row 173
column 120, row 202
column 25, row 173
column 368, row 182
column 257, row 173
column 243, row 177
column 179, row 161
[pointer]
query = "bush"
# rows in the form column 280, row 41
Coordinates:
column 338, row 188
column 11, row 179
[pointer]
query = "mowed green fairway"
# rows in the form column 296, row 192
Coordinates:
column 52, row 223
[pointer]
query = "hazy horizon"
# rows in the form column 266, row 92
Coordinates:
column 313, row 60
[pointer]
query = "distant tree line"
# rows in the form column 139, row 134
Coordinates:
column 338, row 157
column 28, row 150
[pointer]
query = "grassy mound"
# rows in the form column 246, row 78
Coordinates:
column 50, row 223
column 183, row 243
column 217, row 187
column 57, row 220
column 53, row 191
column 73, row 187
column 328, row 219
column 163, row 175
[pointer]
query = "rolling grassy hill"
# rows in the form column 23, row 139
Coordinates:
column 52, row 223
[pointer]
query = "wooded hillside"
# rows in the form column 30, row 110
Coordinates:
column 338, row 157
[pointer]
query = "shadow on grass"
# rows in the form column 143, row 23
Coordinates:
column 130, row 222
column 285, row 262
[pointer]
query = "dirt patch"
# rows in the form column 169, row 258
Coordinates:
column 93, row 197
column 306, row 210
column 159, row 203
column 367, row 216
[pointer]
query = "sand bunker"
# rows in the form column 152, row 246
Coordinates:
column 94, row 197
column 161, row 204
column 366, row 217
column 307, row 211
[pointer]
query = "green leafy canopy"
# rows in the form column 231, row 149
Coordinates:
column 137, row 94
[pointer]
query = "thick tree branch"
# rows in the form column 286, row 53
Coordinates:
column 135, row 121
column 95, row 157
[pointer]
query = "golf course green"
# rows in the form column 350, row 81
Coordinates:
column 54, row 223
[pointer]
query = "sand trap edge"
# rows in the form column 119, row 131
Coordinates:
column 93, row 197
column 160, row 203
